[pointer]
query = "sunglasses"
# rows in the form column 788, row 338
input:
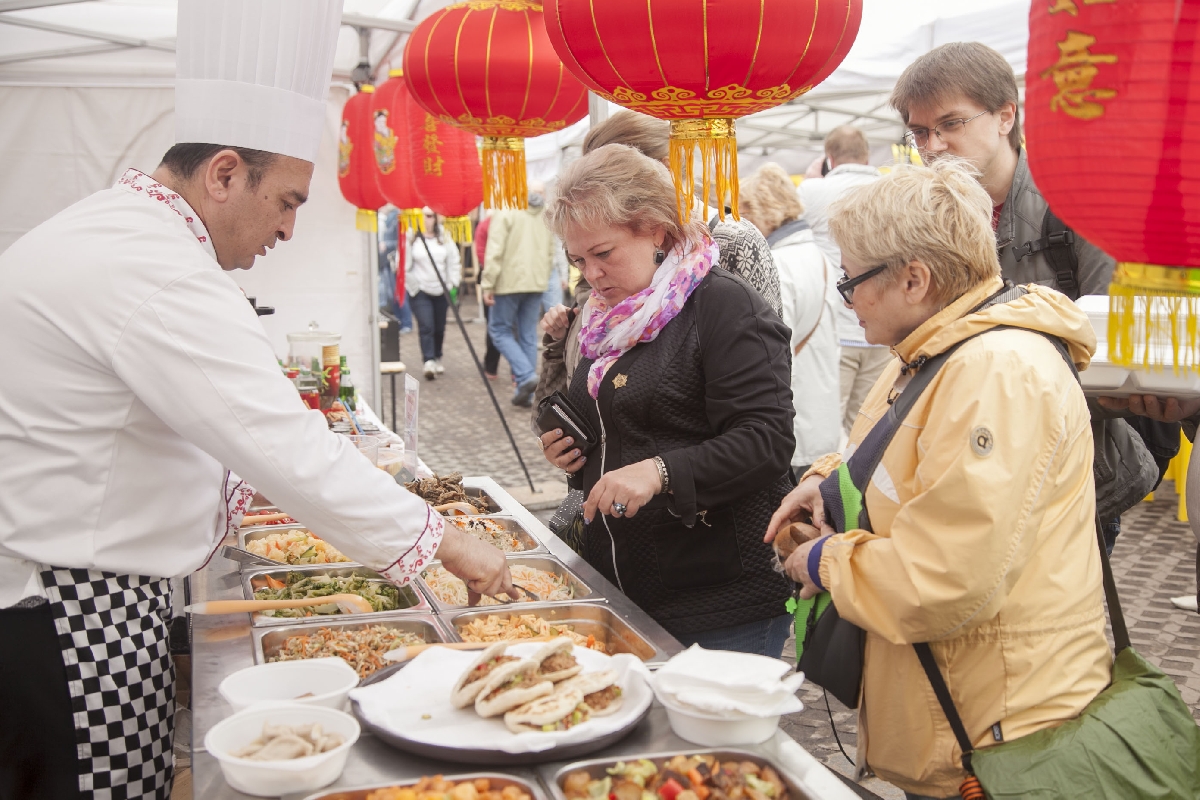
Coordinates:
column 846, row 284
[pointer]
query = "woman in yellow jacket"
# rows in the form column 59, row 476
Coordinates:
column 982, row 507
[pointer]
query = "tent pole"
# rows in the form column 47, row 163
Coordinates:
column 372, row 244
column 478, row 364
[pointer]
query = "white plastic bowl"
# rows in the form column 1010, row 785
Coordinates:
column 275, row 778
column 711, row 730
column 328, row 680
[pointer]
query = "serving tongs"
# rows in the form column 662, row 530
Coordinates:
column 346, row 603
column 458, row 509
column 234, row 553
column 504, row 602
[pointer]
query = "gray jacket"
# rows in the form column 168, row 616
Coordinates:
column 1124, row 470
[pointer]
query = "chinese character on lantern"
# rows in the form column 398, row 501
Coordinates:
column 1071, row 8
column 1073, row 74
column 433, row 165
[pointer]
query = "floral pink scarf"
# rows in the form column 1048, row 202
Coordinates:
column 609, row 333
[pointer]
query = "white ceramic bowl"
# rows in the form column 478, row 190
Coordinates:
column 327, row 680
column 711, row 730
column 275, row 778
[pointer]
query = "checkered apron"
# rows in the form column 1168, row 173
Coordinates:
column 113, row 632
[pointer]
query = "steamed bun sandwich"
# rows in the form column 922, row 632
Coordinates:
column 555, row 660
column 599, row 689
column 511, row 684
column 560, row 711
column 472, row 681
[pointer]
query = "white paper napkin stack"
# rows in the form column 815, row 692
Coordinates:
column 729, row 685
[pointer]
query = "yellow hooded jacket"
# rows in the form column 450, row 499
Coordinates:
column 984, row 542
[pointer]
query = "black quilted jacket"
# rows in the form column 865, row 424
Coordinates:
column 711, row 395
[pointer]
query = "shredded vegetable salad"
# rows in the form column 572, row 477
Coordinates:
column 295, row 547
column 361, row 649
column 491, row 532
column 494, row 628
column 299, row 586
column 453, row 592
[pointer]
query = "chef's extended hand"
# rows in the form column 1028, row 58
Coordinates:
column 631, row 486
column 556, row 322
column 1159, row 409
column 801, row 504
column 480, row 565
column 561, row 451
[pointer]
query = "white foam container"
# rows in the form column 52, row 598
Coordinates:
column 327, row 680
column 711, row 730
column 275, row 778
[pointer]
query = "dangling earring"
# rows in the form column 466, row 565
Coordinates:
column 659, row 256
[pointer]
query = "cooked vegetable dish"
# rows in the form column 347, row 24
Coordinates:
column 682, row 778
column 295, row 547
column 494, row 628
column 300, row 586
column 453, row 592
column 438, row 788
column 491, row 532
column 361, row 649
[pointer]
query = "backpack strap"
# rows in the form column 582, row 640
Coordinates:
column 1058, row 243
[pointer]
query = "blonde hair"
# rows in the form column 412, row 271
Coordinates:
column 846, row 144
column 617, row 185
column 769, row 198
column 937, row 214
column 649, row 136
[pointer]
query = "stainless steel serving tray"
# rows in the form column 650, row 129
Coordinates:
column 580, row 590
column 554, row 777
column 255, row 532
column 498, row 780
column 587, row 619
column 411, row 601
column 492, row 504
column 269, row 639
column 529, row 543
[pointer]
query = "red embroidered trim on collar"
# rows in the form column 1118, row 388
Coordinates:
column 137, row 181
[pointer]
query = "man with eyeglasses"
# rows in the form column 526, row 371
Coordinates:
column 960, row 100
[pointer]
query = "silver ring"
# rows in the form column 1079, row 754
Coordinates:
column 618, row 509
column 541, row 444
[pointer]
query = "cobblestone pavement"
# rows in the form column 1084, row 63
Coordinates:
column 1153, row 561
column 458, row 428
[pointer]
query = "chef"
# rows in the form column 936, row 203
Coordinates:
column 136, row 383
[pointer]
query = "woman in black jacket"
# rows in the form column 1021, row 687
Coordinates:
column 685, row 378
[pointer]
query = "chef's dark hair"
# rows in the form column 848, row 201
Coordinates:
column 185, row 160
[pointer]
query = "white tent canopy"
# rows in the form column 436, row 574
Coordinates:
column 86, row 91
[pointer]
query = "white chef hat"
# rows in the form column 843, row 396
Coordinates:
column 254, row 73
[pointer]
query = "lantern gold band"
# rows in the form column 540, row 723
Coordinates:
column 503, row 143
column 1155, row 278
column 684, row 129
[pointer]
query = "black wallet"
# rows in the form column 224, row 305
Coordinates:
column 556, row 411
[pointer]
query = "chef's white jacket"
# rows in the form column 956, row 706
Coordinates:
column 133, row 373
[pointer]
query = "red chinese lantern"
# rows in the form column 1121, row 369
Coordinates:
column 356, row 165
column 1113, row 124
column 702, row 64
column 445, row 167
column 487, row 66
column 389, row 123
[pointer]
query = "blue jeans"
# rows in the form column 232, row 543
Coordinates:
column 513, row 327
column 764, row 637
column 553, row 296
column 406, row 318
column 430, row 311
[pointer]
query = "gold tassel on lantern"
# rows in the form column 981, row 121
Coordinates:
column 366, row 220
column 411, row 219
column 716, row 143
column 459, row 229
column 504, row 183
column 1153, row 317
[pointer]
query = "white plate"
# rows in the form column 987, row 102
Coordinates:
column 414, row 705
